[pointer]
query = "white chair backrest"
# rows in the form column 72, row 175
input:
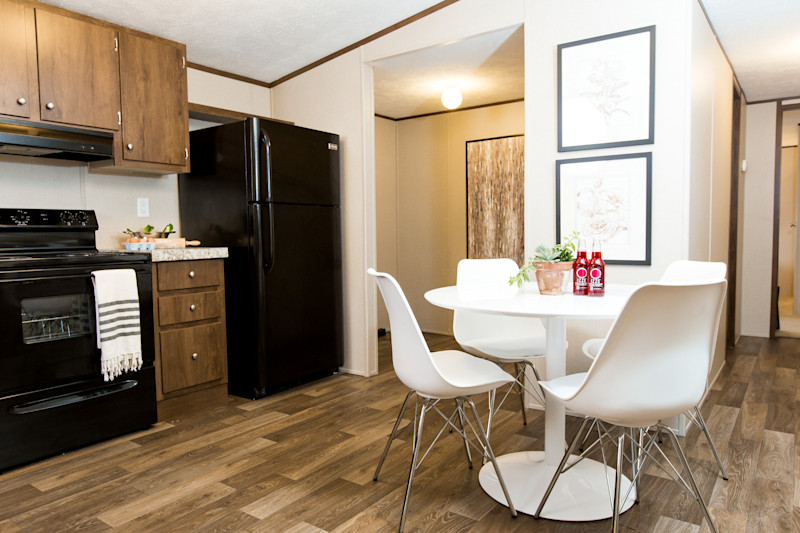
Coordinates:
column 411, row 357
column 679, row 271
column 656, row 357
column 471, row 325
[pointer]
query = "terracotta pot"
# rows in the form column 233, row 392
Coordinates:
column 553, row 278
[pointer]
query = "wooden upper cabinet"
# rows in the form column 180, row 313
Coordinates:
column 78, row 71
column 155, row 108
column 17, row 60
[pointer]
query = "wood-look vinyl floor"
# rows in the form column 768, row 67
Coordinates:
column 302, row 462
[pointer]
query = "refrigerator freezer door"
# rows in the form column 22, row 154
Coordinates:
column 297, row 165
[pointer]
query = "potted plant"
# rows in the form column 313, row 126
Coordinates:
column 552, row 265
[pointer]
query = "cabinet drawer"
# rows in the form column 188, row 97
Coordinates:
column 191, row 356
column 189, row 274
column 189, row 307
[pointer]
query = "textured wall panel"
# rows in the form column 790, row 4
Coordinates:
column 495, row 198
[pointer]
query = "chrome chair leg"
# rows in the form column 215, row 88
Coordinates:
column 518, row 371
column 414, row 455
column 689, row 475
column 488, row 447
column 561, row 466
column 460, row 408
column 702, row 423
column 618, row 482
column 393, row 434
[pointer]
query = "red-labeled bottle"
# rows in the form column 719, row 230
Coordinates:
column 597, row 271
column 580, row 271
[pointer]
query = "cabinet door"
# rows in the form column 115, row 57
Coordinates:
column 78, row 71
column 192, row 356
column 155, row 108
column 15, row 86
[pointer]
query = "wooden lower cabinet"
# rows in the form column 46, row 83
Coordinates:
column 191, row 345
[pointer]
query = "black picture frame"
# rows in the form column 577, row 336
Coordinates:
column 608, row 197
column 606, row 91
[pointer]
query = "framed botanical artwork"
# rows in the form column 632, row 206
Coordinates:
column 607, row 198
column 606, row 90
column 496, row 198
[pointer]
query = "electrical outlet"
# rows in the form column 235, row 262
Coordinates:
column 143, row 207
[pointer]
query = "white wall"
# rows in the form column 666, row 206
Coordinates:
column 759, row 190
column 671, row 161
column 385, row 204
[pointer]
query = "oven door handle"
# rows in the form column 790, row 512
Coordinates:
column 74, row 397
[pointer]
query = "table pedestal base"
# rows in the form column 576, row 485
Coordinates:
column 584, row 493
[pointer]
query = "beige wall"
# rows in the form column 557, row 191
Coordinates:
column 217, row 91
column 432, row 199
column 385, row 204
column 786, row 237
column 758, row 213
column 337, row 96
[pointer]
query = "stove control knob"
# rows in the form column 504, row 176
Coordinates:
column 67, row 217
column 20, row 218
column 81, row 218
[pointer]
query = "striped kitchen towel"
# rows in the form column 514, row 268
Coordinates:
column 116, row 298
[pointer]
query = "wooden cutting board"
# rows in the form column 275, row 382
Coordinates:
column 175, row 242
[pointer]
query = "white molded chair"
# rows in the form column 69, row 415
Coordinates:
column 502, row 339
column 653, row 365
column 447, row 374
column 681, row 271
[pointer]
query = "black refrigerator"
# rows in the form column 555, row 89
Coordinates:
column 270, row 192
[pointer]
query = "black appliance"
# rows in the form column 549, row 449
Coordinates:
column 18, row 137
column 269, row 191
column 52, row 394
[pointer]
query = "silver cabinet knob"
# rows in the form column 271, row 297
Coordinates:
column 21, row 101
column 50, row 105
column 191, row 273
column 130, row 146
column 194, row 355
column 192, row 307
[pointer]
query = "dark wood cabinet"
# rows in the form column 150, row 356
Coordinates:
column 78, row 71
column 191, row 342
column 155, row 108
column 18, row 85
column 61, row 67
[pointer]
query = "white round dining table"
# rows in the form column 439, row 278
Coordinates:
column 584, row 492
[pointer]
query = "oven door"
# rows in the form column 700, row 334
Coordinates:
column 48, row 329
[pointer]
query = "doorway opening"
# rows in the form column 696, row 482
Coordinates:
column 788, row 272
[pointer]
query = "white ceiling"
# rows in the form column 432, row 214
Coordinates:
column 268, row 39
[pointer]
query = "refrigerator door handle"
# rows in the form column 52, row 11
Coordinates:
column 266, row 168
column 268, row 234
column 266, row 223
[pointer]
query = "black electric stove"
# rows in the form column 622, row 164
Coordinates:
column 52, row 394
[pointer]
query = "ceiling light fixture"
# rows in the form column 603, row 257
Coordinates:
column 451, row 98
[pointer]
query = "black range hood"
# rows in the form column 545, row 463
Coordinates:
column 18, row 137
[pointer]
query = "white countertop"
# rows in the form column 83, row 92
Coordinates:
column 182, row 254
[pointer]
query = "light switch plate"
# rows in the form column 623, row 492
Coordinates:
column 143, row 207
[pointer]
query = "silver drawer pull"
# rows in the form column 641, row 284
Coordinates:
column 191, row 273
column 194, row 355
column 21, row 101
column 50, row 105
column 192, row 307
